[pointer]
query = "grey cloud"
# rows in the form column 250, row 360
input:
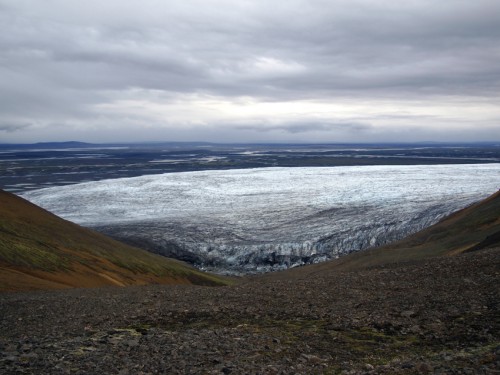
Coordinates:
column 345, row 46
column 10, row 128
column 309, row 126
column 58, row 60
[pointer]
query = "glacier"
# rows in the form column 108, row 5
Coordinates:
column 265, row 219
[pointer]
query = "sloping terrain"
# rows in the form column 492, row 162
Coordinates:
column 472, row 228
column 39, row 250
column 435, row 316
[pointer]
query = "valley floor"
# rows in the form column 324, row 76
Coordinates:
column 436, row 316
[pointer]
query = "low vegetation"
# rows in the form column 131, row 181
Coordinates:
column 39, row 250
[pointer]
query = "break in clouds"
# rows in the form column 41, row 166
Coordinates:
column 249, row 70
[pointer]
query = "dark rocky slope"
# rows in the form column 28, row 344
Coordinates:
column 432, row 316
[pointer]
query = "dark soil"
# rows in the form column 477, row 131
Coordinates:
column 436, row 316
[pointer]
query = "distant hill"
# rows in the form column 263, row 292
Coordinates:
column 39, row 250
column 46, row 145
column 473, row 228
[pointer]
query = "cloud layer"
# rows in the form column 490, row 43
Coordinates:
column 249, row 70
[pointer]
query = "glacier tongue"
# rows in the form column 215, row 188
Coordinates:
column 270, row 218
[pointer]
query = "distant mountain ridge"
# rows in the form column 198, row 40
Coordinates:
column 47, row 145
column 39, row 250
column 78, row 144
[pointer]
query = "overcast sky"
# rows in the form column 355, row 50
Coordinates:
column 238, row 70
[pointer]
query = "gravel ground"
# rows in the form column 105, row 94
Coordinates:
column 438, row 316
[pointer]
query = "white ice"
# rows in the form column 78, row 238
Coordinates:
column 233, row 211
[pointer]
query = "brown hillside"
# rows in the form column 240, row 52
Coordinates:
column 39, row 250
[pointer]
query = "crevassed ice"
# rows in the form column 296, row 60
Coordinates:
column 265, row 196
column 236, row 211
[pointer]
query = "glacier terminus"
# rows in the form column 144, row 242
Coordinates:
column 264, row 219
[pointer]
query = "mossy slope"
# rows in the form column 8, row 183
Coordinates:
column 39, row 250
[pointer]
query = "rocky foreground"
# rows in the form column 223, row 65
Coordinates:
column 435, row 316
